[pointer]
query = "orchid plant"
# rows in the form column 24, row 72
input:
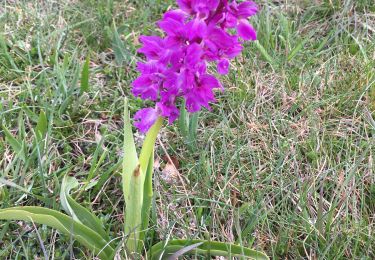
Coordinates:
column 177, row 77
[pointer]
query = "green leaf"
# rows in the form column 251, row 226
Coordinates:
column 42, row 125
column 25, row 191
column 104, row 176
column 132, row 184
column 30, row 114
column 14, row 143
column 62, row 223
column 149, row 143
column 119, row 49
column 297, row 49
column 96, row 161
column 164, row 250
column 6, row 54
column 184, row 251
column 146, row 165
column 193, row 126
column 264, row 53
column 85, row 76
column 183, row 120
column 147, row 200
column 76, row 211
column 134, row 178
column 130, row 159
column 67, row 184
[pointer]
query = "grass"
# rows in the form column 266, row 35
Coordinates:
column 284, row 163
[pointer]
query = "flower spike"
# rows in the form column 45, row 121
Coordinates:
column 199, row 32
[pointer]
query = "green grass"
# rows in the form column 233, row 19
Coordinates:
column 284, row 163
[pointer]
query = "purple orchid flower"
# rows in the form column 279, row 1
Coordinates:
column 199, row 32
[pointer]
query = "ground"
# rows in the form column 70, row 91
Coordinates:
column 284, row 162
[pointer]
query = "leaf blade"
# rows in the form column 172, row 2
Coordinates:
column 14, row 143
column 63, row 223
column 207, row 247
column 78, row 212
column 132, row 184
column 85, row 87
column 42, row 125
column 147, row 200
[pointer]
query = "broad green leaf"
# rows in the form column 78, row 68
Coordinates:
column 40, row 132
column 96, row 161
column 85, row 75
column 297, row 49
column 25, row 191
column 14, row 143
column 67, row 184
column 184, row 251
column 149, row 143
column 76, row 211
column 183, row 120
column 134, row 178
column 6, row 54
column 104, row 176
column 164, row 250
column 119, row 49
column 130, row 159
column 147, row 199
column 193, row 126
column 132, row 185
column 42, row 125
column 264, row 53
column 146, row 165
column 30, row 114
column 62, row 223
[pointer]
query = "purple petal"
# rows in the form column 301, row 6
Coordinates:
column 148, row 67
column 213, row 4
column 176, row 60
column 246, row 9
column 145, row 88
column 204, row 7
column 177, row 15
column 220, row 38
column 193, row 103
column 185, row 5
column 145, row 118
column 170, row 88
column 174, row 41
column 223, row 67
column 143, row 80
column 186, row 79
column 230, row 20
column 196, row 29
column 209, row 82
column 193, row 55
column 170, row 26
column 246, row 30
column 209, row 4
column 152, row 46
column 234, row 51
column 201, row 95
column 169, row 111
